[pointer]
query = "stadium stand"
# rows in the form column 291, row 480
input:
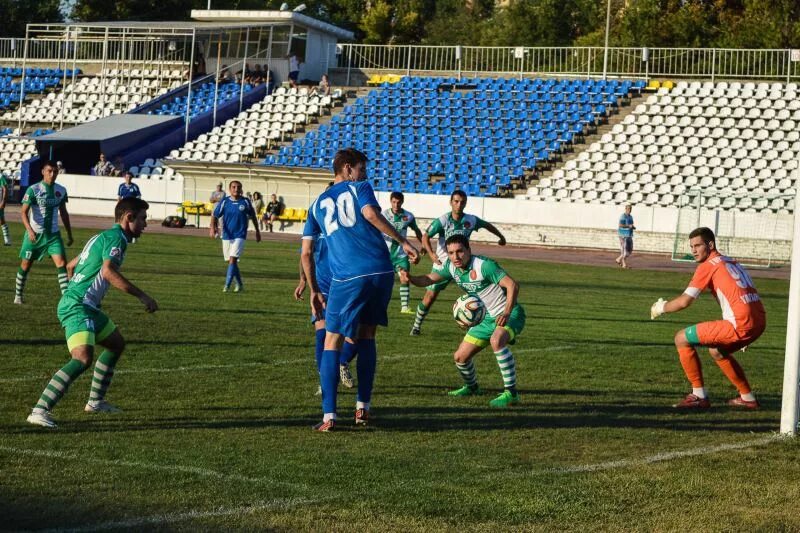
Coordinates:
column 15, row 150
column 433, row 135
column 738, row 139
column 36, row 81
column 279, row 114
column 202, row 99
column 91, row 97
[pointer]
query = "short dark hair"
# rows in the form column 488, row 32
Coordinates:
column 457, row 239
column 127, row 173
column 129, row 205
column 705, row 233
column 49, row 163
column 398, row 195
column 235, row 181
column 348, row 156
column 459, row 192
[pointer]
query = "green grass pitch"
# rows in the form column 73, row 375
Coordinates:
column 218, row 398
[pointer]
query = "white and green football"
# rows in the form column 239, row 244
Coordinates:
column 468, row 311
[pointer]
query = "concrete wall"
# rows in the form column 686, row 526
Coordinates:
column 522, row 221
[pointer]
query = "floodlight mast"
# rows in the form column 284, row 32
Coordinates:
column 791, row 377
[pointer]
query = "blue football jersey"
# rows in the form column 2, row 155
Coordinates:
column 235, row 215
column 125, row 191
column 355, row 247
column 322, row 265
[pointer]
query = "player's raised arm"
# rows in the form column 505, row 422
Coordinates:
column 491, row 228
column 419, row 281
column 110, row 272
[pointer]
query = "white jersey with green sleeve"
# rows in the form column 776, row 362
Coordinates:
column 480, row 278
column 44, row 200
column 88, row 286
column 401, row 222
column 445, row 226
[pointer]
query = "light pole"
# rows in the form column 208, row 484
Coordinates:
column 605, row 48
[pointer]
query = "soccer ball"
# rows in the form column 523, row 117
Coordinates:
column 468, row 311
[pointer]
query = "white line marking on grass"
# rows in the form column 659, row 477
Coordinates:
column 162, row 519
column 194, row 470
column 279, row 362
column 663, row 456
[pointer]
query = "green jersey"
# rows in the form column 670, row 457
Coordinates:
column 401, row 222
column 445, row 226
column 480, row 278
column 88, row 286
column 44, row 201
column 3, row 188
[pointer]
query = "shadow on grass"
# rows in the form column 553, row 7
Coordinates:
column 443, row 418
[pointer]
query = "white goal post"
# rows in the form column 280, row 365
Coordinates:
column 790, row 407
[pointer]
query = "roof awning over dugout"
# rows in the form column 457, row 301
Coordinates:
column 79, row 147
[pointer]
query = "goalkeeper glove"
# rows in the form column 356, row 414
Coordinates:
column 657, row 308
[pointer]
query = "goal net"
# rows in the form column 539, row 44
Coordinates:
column 757, row 233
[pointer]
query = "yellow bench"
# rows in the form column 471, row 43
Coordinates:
column 291, row 214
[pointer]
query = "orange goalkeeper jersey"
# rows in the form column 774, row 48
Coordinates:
column 733, row 289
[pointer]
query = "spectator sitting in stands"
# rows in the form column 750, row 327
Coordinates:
column 324, row 87
column 217, row 195
column 273, row 211
column 60, row 168
column 103, row 167
column 119, row 167
column 257, row 76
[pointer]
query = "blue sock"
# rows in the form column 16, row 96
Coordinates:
column 329, row 379
column 367, row 360
column 349, row 352
column 319, row 347
column 236, row 273
column 229, row 276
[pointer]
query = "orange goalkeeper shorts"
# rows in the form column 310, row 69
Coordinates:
column 721, row 334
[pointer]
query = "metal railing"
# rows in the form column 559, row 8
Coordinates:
column 696, row 63
column 12, row 51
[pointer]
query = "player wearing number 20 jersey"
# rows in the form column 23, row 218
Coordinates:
column 743, row 320
column 348, row 216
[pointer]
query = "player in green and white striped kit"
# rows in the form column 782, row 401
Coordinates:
column 401, row 220
column 41, row 205
column 93, row 271
column 456, row 222
column 504, row 321
column 3, row 199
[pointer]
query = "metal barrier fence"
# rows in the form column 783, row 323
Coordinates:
column 697, row 63
column 12, row 51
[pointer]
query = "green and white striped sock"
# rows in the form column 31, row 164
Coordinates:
column 59, row 384
column 508, row 368
column 22, row 276
column 405, row 295
column 6, row 235
column 422, row 312
column 103, row 372
column 468, row 373
column 63, row 280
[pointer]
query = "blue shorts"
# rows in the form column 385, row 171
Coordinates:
column 357, row 301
